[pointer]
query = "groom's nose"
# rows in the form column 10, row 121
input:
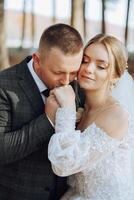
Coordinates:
column 65, row 79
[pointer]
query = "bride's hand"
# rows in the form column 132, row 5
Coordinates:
column 64, row 95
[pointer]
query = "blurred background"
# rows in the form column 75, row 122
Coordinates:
column 23, row 21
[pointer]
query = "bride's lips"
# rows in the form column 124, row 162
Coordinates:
column 87, row 77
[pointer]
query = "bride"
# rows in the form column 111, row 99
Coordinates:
column 98, row 155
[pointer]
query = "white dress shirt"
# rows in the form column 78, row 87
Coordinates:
column 41, row 86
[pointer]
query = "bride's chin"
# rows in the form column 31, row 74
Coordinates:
column 84, row 86
column 81, row 83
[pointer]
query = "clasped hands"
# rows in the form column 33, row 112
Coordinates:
column 63, row 96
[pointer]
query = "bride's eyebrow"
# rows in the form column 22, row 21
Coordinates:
column 98, row 60
column 102, row 62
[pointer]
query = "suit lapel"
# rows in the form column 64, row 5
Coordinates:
column 29, row 86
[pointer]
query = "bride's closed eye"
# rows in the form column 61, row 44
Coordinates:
column 101, row 67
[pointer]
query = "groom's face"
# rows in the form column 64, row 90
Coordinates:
column 57, row 69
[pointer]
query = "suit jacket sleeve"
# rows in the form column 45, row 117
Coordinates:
column 15, row 145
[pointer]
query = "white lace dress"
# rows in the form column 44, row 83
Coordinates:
column 100, row 166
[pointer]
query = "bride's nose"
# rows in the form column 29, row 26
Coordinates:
column 91, row 68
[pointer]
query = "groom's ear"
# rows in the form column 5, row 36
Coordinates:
column 35, row 57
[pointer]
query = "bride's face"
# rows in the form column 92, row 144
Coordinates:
column 94, row 71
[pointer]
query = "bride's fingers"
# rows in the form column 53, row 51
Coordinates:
column 52, row 97
column 51, row 92
column 54, row 90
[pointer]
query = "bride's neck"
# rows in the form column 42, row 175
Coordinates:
column 95, row 100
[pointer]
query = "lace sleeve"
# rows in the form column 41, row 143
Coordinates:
column 71, row 151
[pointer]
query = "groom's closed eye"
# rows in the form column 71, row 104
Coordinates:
column 74, row 73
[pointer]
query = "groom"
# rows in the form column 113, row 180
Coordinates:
column 25, row 129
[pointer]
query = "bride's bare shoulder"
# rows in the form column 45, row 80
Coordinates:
column 114, row 121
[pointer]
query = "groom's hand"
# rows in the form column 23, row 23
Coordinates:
column 51, row 106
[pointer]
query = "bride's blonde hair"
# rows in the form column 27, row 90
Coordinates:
column 116, row 50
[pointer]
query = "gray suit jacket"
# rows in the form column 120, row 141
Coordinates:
column 24, row 135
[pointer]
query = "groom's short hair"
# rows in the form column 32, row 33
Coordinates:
column 61, row 36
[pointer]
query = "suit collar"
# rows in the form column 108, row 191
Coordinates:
column 29, row 86
column 22, row 71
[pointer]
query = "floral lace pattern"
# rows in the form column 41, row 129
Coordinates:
column 101, row 164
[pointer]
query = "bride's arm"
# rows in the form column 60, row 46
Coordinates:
column 71, row 151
